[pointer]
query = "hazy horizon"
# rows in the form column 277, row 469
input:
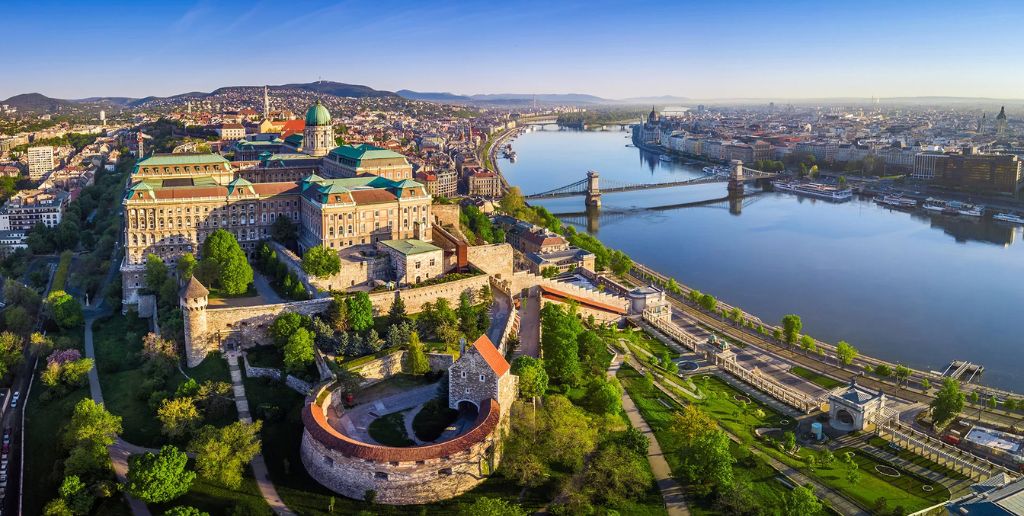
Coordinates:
column 701, row 50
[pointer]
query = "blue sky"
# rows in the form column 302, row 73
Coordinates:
column 697, row 49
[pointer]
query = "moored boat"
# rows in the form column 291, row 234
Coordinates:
column 817, row 190
column 1013, row 218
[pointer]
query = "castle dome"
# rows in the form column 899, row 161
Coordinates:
column 317, row 115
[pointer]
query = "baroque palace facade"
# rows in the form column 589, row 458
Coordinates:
column 175, row 201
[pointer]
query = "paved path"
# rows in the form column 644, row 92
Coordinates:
column 120, row 450
column 671, row 491
column 529, row 327
column 259, row 467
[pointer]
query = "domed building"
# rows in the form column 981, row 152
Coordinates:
column 318, row 136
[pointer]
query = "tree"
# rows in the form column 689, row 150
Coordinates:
column 707, row 302
column 298, row 351
column 396, row 315
column 284, row 230
column 285, row 325
column 902, row 374
column 852, row 469
column 533, row 378
column 337, row 313
column 223, row 453
column 992, row 402
column 64, row 310
column 845, row 353
column 807, row 343
column 635, row 440
column 156, row 272
column 485, row 506
column 187, row 265
column 560, row 331
column 802, row 502
column 88, row 434
column 416, row 359
column 604, row 396
column 360, row 311
column 157, row 347
column 184, row 510
column 789, row 440
column 233, row 272
column 17, row 319
column 926, row 384
column 709, row 459
column 1010, row 404
column 321, row 262
column 616, row 474
column 158, row 478
column 11, row 346
column 512, row 203
column 883, row 370
column 791, row 326
column 178, row 416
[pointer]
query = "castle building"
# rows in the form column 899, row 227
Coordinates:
column 365, row 159
column 176, row 200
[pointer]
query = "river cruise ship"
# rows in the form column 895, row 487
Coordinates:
column 896, row 201
column 817, row 190
column 1014, row 218
column 953, row 207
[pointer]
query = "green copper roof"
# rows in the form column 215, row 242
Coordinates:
column 410, row 246
column 365, row 151
column 318, row 115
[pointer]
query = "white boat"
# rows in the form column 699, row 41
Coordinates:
column 665, row 157
column 817, row 190
column 934, row 205
column 896, row 201
column 967, row 209
column 1009, row 217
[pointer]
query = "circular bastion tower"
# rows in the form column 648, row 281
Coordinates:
column 193, row 299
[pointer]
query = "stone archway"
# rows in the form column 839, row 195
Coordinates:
column 468, row 409
column 844, row 417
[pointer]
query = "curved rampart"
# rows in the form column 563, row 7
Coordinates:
column 399, row 476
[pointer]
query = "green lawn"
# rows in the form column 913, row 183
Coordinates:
column 389, row 430
column 641, row 339
column 659, row 411
column 44, row 455
column 432, row 419
column 914, row 458
column 265, row 356
column 118, row 340
column 825, row 382
column 217, row 499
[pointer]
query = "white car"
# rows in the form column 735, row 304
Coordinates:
column 14, row 399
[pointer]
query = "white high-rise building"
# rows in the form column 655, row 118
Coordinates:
column 40, row 161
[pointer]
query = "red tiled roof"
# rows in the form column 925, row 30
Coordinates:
column 373, row 196
column 291, row 127
column 265, row 189
column 491, row 355
column 318, row 427
column 189, row 193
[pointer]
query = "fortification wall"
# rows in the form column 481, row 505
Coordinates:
column 446, row 214
column 495, row 259
column 391, row 364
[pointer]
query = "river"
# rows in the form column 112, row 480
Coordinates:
column 906, row 287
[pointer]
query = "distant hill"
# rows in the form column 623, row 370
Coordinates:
column 337, row 89
column 663, row 99
column 433, row 96
column 37, row 103
column 113, row 101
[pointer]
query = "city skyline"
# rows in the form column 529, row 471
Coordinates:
column 701, row 51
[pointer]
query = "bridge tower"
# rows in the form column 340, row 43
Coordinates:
column 593, row 190
column 736, row 178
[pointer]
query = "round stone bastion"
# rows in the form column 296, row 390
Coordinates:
column 398, row 476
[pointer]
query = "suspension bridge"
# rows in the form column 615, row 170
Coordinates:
column 591, row 188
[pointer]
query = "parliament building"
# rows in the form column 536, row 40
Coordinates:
column 337, row 196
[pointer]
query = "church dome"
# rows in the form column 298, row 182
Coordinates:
column 318, row 115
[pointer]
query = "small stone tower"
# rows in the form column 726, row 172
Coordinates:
column 193, row 300
column 593, row 189
column 736, row 178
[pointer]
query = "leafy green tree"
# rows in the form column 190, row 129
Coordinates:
column 233, row 271
column 57, row 507
column 635, row 440
column 360, row 311
column 566, row 433
column 604, row 396
column 902, row 374
column 76, row 495
column 285, row 325
column 156, row 272
column 416, row 359
column 88, row 434
column 707, row 302
column 852, row 469
column 158, row 478
column 17, row 319
column 807, row 343
column 485, row 506
column 64, row 310
column 223, row 453
column 992, row 402
column 298, row 351
column 1010, row 404
column 284, row 230
column 11, row 346
column 926, row 384
column 187, row 265
column 533, row 378
column 185, row 510
column 321, row 262
column 802, row 502
column 791, row 326
column 178, row 416
column 883, row 370
column 845, row 353
column 512, row 203
column 337, row 313
column 616, row 475
column 559, row 333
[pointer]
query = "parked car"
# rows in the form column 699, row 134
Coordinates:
column 14, row 399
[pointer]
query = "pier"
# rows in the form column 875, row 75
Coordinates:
column 958, row 369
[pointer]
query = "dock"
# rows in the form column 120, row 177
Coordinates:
column 958, row 369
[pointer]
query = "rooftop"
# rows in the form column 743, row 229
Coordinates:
column 182, row 159
column 410, row 246
column 491, row 355
column 365, row 151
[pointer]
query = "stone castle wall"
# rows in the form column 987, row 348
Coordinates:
column 495, row 259
column 446, row 214
column 391, row 364
column 206, row 330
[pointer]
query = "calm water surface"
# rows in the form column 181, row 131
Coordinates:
column 907, row 287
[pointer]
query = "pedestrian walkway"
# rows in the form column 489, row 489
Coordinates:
column 671, row 490
column 120, row 450
column 529, row 327
column 259, row 467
